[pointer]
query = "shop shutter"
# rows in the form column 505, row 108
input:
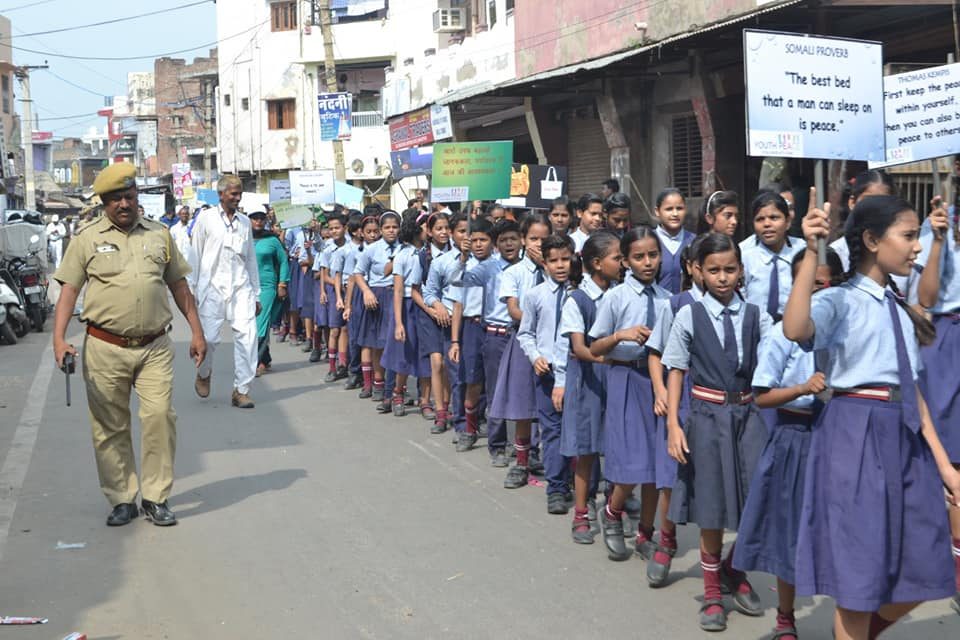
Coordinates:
column 686, row 156
column 588, row 156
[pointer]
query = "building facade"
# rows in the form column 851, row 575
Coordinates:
column 270, row 76
column 184, row 96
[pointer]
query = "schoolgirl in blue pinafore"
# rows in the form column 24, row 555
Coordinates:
column 293, row 240
column 767, row 537
column 429, row 333
column 353, row 298
column 581, row 427
column 725, row 439
column 671, row 265
column 321, row 262
column 514, row 396
column 873, row 528
column 307, row 284
column 715, row 341
column 629, row 442
column 332, row 317
column 939, row 381
column 405, row 357
column 375, row 323
column 667, row 466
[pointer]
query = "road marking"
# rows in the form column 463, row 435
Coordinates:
column 15, row 466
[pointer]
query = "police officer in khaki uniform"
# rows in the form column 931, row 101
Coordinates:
column 128, row 264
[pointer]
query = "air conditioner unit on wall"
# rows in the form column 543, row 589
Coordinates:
column 449, row 20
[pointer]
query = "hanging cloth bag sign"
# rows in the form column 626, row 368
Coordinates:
column 551, row 188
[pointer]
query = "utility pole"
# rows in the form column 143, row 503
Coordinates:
column 330, row 77
column 26, row 135
column 207, row 90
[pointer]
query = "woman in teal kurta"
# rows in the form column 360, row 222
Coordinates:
column 274, row 275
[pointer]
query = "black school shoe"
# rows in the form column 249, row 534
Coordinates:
column 534, row 463
column 557, row 504
column 955, row 603
column 613, row 537
column 747, row 601
column 716, row 621
column 122, row 514
column 355, row 382
column 158, row 513
column 517, row 477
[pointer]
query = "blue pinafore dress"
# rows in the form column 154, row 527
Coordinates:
column 725, row 440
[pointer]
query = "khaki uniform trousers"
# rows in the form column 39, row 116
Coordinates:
column 110, row 372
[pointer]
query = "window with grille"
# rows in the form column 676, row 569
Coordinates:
column 281, row 114
column 686, row 157
column 283, row 16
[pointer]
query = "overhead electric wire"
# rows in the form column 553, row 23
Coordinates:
column 75, row 85
column 25, row 6
column 76, row 62
column 143, row 57
column 116, row 20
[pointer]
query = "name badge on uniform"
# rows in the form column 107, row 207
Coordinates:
column 106, row 248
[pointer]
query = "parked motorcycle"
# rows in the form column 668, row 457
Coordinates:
column 14, row 323
column 32, row 281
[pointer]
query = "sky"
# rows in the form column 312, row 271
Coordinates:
column 56, row 99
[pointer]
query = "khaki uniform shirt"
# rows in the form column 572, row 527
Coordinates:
column 127, row 275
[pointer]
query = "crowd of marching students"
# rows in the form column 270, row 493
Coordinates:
column 742, row 387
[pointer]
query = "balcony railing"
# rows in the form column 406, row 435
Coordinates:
column 367, row 119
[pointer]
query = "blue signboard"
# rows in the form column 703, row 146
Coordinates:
column 335, row 116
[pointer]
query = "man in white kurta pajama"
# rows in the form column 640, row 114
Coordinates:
column 226, row 284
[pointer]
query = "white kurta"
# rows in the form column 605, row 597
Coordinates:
column 55, row 234
column 181, row 237
column 226, row 284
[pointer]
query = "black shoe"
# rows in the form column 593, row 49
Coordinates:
column 158, row 513
column 316, row 355
column 534, row 464
column 516, row 478
column 122, row 514
column 716, row 621
column 746, row 599
column 465, row 441
column 353, row 383
column 613, row 537
column 482, row 430
column 341, row 373
column 384, row 406
column 365, row 393
column 557, row 504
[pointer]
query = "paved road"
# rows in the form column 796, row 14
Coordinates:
column 312, row 517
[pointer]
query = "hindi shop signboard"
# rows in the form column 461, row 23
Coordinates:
column 922, row 114
column 312, row 187
column 335, row 116
column 471, row 171
column 420, row 127
column 813, row 97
